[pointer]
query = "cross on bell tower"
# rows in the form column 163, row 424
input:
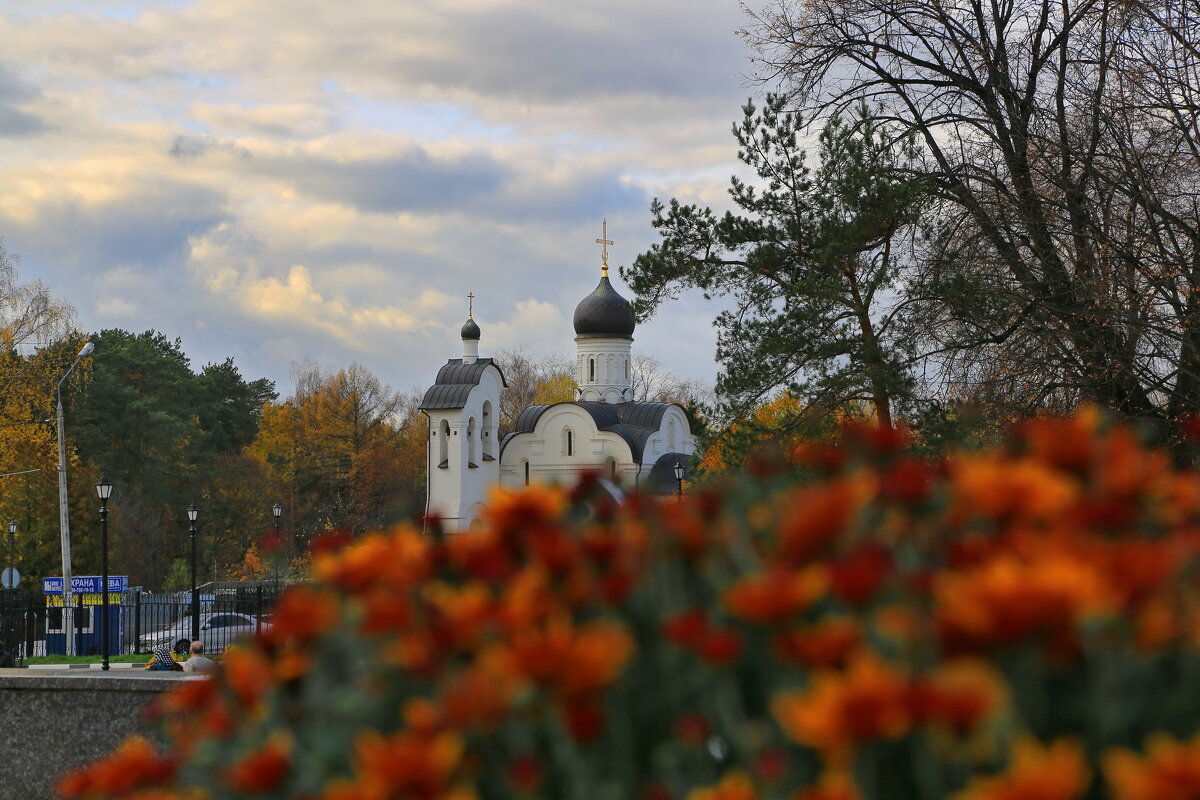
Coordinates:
column 604, row 242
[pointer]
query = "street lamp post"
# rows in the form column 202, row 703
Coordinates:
column 64, row 525
column 192, row 513
column 104, row 491
column 678, row 470
column 277, row 512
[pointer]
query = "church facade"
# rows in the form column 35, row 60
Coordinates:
column 633, row 445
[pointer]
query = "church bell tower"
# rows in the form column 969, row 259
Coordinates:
column 604, row 339
column 463, row 407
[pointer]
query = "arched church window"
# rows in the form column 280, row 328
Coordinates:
column 486, row 430
column 471, row 442
column 591, row 370
column 626, row 369
column 568, row 442
column 526, row 463
column 610, row 369
column 671, row 436
column 444, row 445
column 612, row 467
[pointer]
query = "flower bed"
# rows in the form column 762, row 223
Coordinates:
column 1018, row 623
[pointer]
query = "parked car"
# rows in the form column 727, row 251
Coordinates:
column 217, row 631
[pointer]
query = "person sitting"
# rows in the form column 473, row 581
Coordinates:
column 198, row 662
column 163, row 660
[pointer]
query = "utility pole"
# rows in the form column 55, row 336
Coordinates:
column 64, row 523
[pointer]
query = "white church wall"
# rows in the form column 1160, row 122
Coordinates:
column 458, row 490
column 444, row 487
column 544, row 449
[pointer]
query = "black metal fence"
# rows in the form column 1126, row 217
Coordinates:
column 22, row 624
column 139, row 622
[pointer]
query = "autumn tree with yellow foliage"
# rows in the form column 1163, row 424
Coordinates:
column 344, row 451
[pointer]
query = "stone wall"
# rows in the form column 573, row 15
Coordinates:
column 53, row 721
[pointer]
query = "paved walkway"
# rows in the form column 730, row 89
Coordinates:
column 111, row 666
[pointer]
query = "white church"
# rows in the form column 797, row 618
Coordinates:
column 634, row 445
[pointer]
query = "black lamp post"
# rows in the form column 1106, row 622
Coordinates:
column 12, row 552
column 192, row 513
column 104, row 491
column 277, row 512
column 678, row 469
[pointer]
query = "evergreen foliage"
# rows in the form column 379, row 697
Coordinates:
column 813, row 262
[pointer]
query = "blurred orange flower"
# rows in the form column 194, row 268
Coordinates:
column 528, row 599
column 400, row 558
column 1127, row 470
column 734, row 786
column 480, row 554
column 133, row 765
column 867, row 702
column 262, row 770
column 572, row 660
column 1066, row 443
column 597, row 655
column 406, row 764
column 462, row 612
column 481, row 694
column 813, row 516
column 834, row 785
column 385, row 609
column 537, row 505
column 858, row 576
column 1036, row 772
column 959, row 695
column 1170, row 770
column 773, row 596
column 999, row 488
column 1007, row 599
column 247, row 672
column 824, row 645
column 303, row 613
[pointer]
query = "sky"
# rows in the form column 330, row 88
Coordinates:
column 288, row 181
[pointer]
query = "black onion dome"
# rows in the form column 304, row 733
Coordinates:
column 470, row 330
column 604, row 313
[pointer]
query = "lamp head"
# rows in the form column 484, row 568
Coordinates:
column 104, row 488
column 277, row 510
column 193, row 512
column 87, row 350
column 678, row 469
column 12, row 527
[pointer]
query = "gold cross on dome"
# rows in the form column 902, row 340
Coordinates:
column 470, row 305
column 604, row 242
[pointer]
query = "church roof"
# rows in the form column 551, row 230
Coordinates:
column 633, row 422
column 604, row 314
column 455, row 381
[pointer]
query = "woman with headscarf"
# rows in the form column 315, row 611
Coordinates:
column 164, row 661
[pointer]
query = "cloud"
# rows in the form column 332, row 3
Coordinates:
column 407, row 181
column 14, row 93
column 282, row 120
column 186, row 146
column 142, row 220
column 282, row 181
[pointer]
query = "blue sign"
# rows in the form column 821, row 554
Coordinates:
column 87, row 584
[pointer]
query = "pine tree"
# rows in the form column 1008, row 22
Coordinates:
column 813, row 263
